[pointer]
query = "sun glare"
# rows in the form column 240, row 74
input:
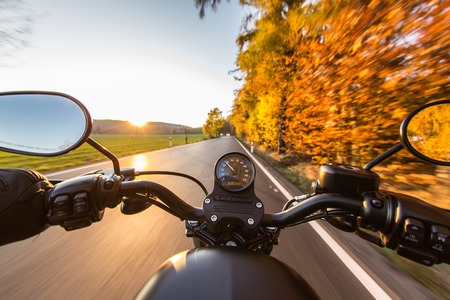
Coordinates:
column 139, row 162
column 138, row 122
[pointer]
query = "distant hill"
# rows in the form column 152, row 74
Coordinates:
column 125, row 127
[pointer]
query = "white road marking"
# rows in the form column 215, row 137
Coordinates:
column 372, row 287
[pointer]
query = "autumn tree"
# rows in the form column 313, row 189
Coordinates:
column 214, row 123
column 337, row 77
column 333, row 80
column 264, row 59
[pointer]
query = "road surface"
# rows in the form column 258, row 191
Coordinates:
column 113, row 258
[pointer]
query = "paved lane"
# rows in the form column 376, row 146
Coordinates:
column 112, row 259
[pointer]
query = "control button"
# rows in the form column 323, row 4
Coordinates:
column 377, row 203
column 413, row 231
column 439, row 239
column 80, row 203
column 419, row 257
column 61, row 206
column 108, row 185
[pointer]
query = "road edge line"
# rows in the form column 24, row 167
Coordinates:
column 368, row 282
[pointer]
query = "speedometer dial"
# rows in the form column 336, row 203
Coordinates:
column 235, row 172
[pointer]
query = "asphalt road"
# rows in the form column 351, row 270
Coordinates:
column 113, row 258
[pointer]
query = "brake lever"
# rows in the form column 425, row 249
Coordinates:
column 369, row 237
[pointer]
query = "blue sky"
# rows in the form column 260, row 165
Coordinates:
column 134, row 59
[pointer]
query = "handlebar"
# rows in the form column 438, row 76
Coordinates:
column 414, row 229
column 87, row 196
column 310, row 206
column 165, row 195
column 281, row 219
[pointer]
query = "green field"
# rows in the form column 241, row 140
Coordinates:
column 120, row 145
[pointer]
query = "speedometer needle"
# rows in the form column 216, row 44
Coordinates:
column 229, row 166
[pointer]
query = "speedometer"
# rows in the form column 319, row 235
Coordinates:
column 235, row 172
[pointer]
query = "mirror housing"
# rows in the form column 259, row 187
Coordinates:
column 42, row 123
column 426, row 132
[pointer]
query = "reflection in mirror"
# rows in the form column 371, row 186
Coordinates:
column 42, row 124
column 428, row 132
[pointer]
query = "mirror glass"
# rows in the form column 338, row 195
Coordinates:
column 428, row 132
column 44, row 124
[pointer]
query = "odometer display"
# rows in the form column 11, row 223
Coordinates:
column 235, row 172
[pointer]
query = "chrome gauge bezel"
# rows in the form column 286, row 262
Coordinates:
column 245, row 173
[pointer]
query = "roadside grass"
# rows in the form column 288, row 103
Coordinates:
column 301, row 174
column 436, row 278
column 119, row 145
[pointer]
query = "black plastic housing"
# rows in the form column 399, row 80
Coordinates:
column 235, row 208
column 346, row 179
column 80, row 201
column 431, row 218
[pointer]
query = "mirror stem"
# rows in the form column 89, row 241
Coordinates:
column 105, row 152
column 383, row 156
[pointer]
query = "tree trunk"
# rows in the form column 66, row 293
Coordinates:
column 282, row 127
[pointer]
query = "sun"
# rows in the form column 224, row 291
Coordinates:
column 138, row 122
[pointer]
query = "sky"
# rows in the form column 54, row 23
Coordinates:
column 137, row 60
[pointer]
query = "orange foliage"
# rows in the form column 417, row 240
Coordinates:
column 336, row 78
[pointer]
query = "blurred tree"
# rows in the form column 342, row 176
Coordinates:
column 214, row 123
column 265, row 60
column 15, row 28
column 202, row 5
column 337, row 77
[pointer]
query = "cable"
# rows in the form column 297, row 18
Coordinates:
column 138, row 173
column 323, row 215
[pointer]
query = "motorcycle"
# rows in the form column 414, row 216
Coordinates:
column 233, row 236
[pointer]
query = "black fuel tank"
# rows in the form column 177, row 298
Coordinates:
column 225, row 273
